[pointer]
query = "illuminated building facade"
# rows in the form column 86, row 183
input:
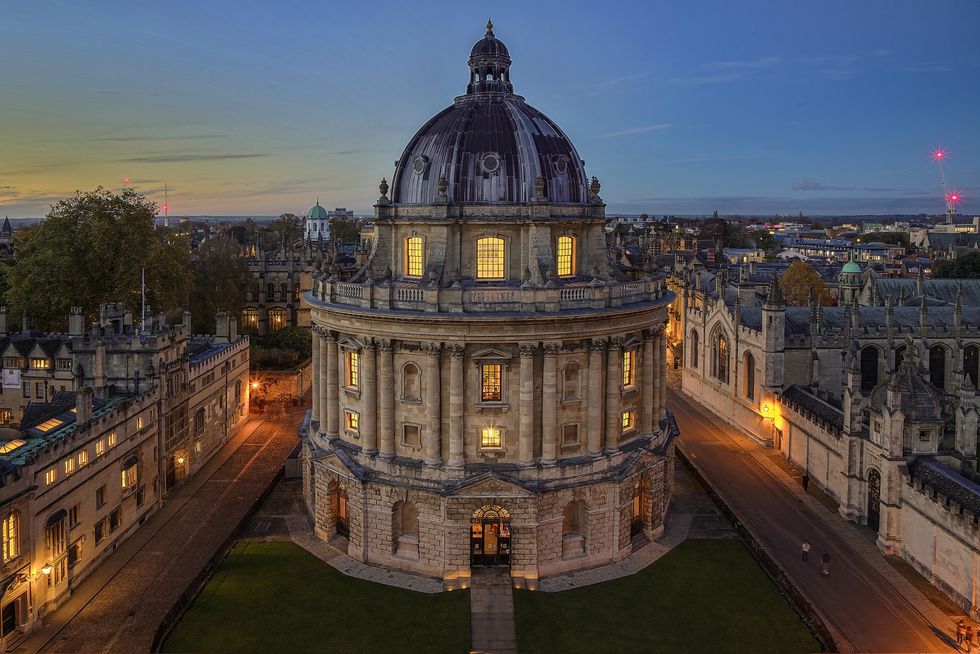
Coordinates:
column 489, row 387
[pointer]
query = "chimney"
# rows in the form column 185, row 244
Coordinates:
column 221, row 327
column 3, row 320
column 187, row 321
column 76, row 322
column 83, row 405
column 232, row 329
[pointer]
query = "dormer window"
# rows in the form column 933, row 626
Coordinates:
column 40, row 363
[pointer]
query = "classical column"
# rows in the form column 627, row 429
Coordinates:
column 456, row 404
column 315, row 375
column 549, row 403
column 526, row 425
column 648, row 391
column 386, row 400
column 329, row 379
column 432, row 443
column 369, row 393
column 661, row 373
column 614, row 393
column 595, row 396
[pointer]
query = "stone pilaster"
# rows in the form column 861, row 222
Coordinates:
column 329, row 379
column 386, row 399
column 661, row 373
column 526, row 424
column 456, row 404
column 648, row 389
column 594, row 408
column 315, row 376
column 549, row 403
column 614, row 393
column 369, row 392
column 432, row 440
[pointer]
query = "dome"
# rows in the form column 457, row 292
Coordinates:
column 316, row 212
column 490, row 146
column 851, row 267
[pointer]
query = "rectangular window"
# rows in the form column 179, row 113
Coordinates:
column 490, row 258
column 26, row 389
column 100, row 531
column 69, row 466
column 100, row 447
column 629, row 421
column 130, row 476
column 75, row 553
column 48, row 425
column 100, row 497
column 629, row 368
column 924, row 437
column 40, row 363
column 64, row 364
column 39, row 390
column 413, row 256
column 112, row 440
column 352, row 421
column 51, row 476
column 566, row 256
column 569, row 435
column 490, row 382
column 115, row 519
column 139, row 422
column 73, row 517
column 83, row 458
column 353, row 369
column 11, row 535
column 490, row 437
column 140, row 496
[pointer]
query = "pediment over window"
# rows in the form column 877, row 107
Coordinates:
column 349, row 343
column 492, row 355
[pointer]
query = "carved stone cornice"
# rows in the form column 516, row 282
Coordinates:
column 385, row 345
column 598, row 344
column 526, row 350
column 431, row 349
column 456, row 350
column 551, row 348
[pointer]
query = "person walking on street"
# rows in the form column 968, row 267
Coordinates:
column 960, row 632
column 806, row 482
column 805, row 550
column 825, row 564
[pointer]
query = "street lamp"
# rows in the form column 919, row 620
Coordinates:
column 46, row 569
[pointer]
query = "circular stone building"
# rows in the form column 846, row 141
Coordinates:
column 489, row 387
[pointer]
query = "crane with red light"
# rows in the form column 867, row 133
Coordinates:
column 951, row 197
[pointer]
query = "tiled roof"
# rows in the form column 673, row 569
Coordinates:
column 818, row 410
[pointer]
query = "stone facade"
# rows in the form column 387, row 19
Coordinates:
column 463, row 417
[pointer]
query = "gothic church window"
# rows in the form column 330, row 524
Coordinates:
column 869, row 368
column 937, row 365
column 971, row 363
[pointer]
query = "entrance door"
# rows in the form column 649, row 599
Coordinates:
column 8, row 617
column 874, row 499
column 490, row 536
column 636, row 522
column 343, row 514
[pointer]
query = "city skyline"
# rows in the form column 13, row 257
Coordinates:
column 681, row 111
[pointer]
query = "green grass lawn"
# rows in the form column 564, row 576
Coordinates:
column 277, row 597
column 704, row 596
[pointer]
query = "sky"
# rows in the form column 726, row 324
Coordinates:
column 260, row 108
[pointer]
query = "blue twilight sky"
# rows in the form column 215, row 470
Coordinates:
column 828, row 107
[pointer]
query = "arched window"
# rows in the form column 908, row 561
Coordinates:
column 405, row 530
column 695, row 348
column 570, row 381
column 937, row 365
column 720, row 357
column 490, row 258
column 11, row 537
column 283, row 292
column 411, row 383
column 899, row 355
column 748, row 368
column 413, row 256
column 566, row 256
column 869, row 368
column 574, row 529
column 250, row 318
column 277, row 319
column 971, row 363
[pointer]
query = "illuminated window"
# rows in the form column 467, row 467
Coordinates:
column 11, row 532
column 100, row 448
column 277, row 318
column 353, row 369
column 48, row 425
column 413, row 256
column 51, row 476
column 629, row 421
column 130, row 476
column 490, row 258
column 629, row 368
column 352, row 421
column 139, row 422
column 82, row 458
column 250, row 318
column 69, row 466
column 566, row 256
column 112, row 440
column 490, row 389
column 10, row 446
column 490, row 437
column 40, row 363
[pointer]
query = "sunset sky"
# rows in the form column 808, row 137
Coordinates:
column 258, row 108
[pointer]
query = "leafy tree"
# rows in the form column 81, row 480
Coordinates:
column 90, row 249
column 799, row 280
column 289, row 228
column 345, row 230
column 967, row 267
column 221, row 278
column 763, row 239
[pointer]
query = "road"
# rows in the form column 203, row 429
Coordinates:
column 120, row 606
column 865, row 611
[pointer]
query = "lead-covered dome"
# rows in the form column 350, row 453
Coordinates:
column 490, row 146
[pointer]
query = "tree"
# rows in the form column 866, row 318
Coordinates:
column 289, row 227
column 221, row 278
column 91, row 249
column 799, row 280
column 967, row 267
column 344, row 230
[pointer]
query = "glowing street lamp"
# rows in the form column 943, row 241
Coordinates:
column 46, row 569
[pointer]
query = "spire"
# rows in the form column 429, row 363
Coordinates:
column 489, row 28
column 774, row 297
column 919, row 282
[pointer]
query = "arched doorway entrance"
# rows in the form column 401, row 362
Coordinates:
column 490, row 536
column 342, row 511
column 874, row 499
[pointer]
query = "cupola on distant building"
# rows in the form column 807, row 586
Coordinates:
column 489, row 387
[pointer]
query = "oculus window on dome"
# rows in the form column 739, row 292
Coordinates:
column 490, row 163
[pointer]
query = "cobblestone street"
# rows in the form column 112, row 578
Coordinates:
column 121, row 605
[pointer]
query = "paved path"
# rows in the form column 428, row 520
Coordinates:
column 867, row 605
column 121, row 605
column 492, row 625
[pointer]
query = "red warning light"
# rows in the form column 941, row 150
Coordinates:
column 939, row 154
column 954, row 197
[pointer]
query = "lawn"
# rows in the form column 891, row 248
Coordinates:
column 277, row 597
column 704, row 596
